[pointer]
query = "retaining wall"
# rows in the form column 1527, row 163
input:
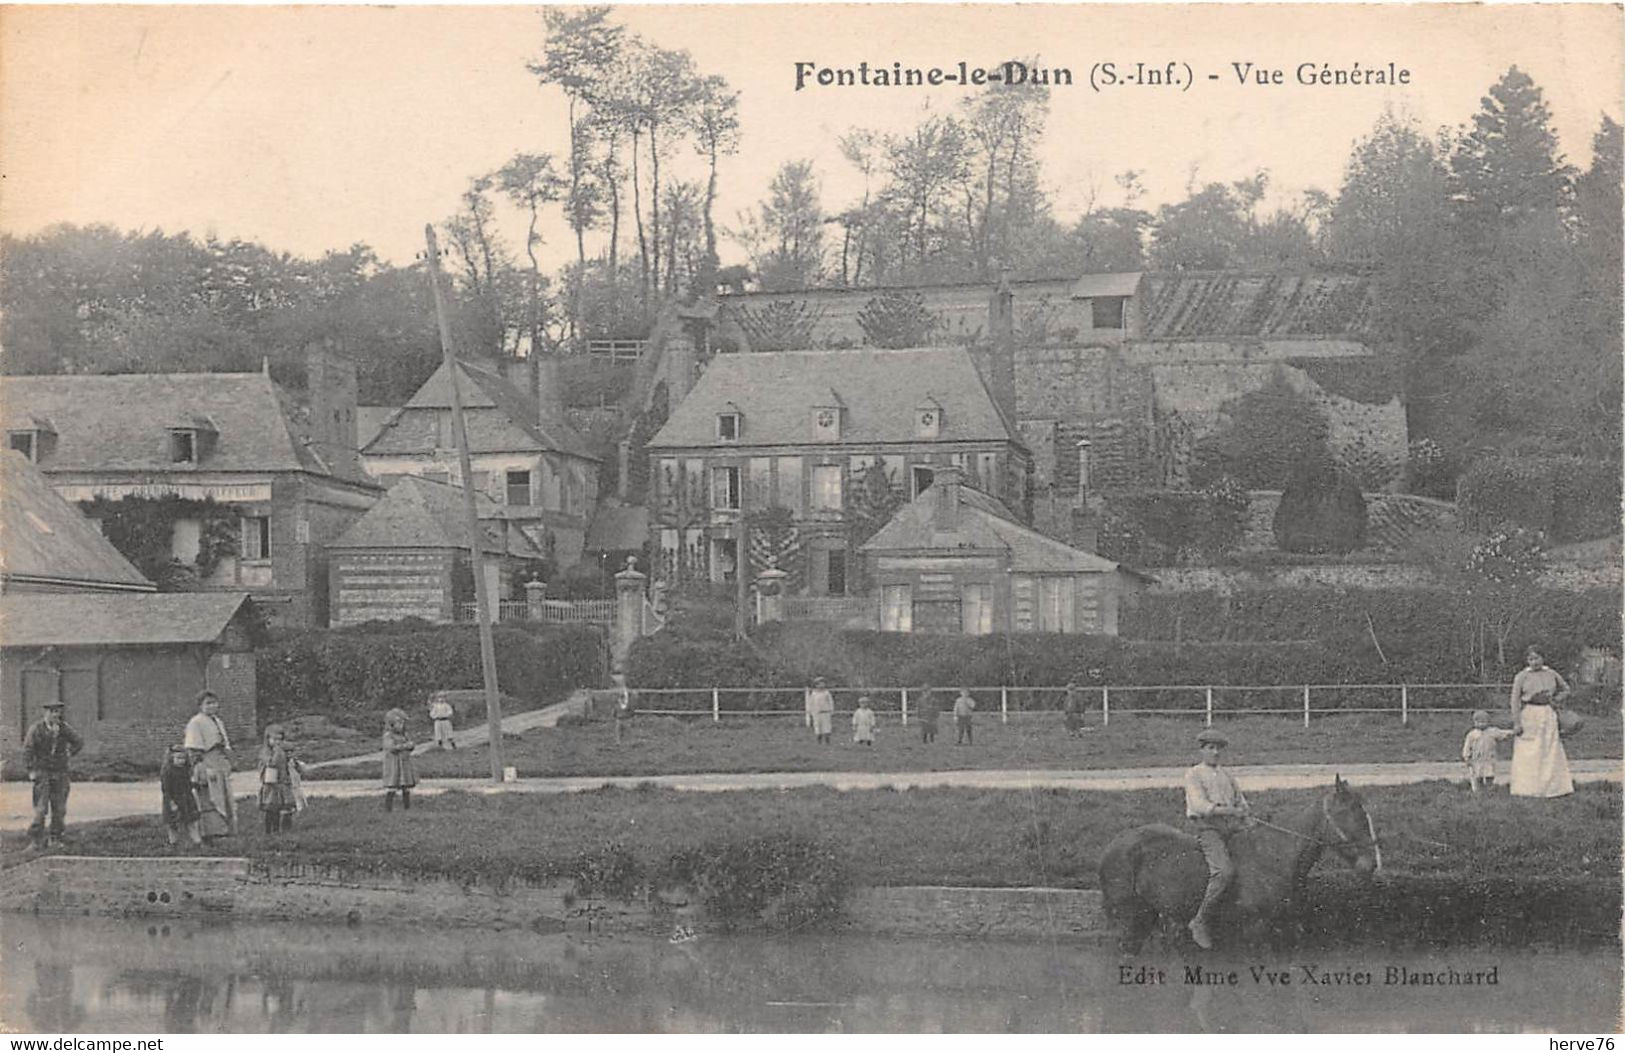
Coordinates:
column 238, row 888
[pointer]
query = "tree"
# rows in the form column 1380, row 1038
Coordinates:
column 715, row 123
column 1321, row 510
column 1506, row 164
column 784, row 236
column 1267, row 436
column 1003, row 130
column 530, row 182
column 898, row 320
column 923, row 168
column 1217, row 228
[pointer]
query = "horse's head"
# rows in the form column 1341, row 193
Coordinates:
column 1348, row 830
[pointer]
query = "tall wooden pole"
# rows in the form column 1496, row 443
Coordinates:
column 476, row 550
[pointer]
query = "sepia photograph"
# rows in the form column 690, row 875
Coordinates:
column 811, row 518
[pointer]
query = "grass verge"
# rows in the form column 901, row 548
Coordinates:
column 669, row 745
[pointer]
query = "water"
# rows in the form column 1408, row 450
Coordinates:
column 96, row 975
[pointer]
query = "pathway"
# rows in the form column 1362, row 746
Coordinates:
column 108, row 800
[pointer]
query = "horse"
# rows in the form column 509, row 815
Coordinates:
column 1155, row 872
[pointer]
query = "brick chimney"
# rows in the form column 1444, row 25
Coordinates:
column 331, row 392
column 945, row 484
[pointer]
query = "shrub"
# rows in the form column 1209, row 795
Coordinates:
column 782, row 881
column 898, row 320
column 1153, row 528
column 1321, row 510
column 1566, row 498
column 1269, row 434
column 341, row 672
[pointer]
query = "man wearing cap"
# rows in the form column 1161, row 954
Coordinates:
column 46, row 749
column 820, row 710
column 1217, row 809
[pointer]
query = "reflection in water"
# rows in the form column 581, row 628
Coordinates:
column 92, row 975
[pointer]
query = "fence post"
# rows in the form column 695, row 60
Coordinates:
column 1404, row 703
column 1306, row 705
column 1105, row 706
column 716, row 706
column 1210, row 707
column 1004, row 705
column 905, row 707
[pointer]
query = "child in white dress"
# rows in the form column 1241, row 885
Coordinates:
column 1479, row 749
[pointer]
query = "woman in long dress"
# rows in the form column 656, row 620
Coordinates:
column 1540, row 768
column 210, row 747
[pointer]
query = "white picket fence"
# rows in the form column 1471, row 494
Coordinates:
column 1206, row 701
column 558, row 612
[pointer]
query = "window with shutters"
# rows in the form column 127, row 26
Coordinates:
column 896, row 609
column 1055, row 605
column 976, row 609
column 789, row 484
column 725, row 487
column 826, row 488
column 254, row 537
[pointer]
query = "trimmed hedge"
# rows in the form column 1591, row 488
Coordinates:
column 1259, row 637
column 1566, row 498
column 1160, row 528
column 355, row 672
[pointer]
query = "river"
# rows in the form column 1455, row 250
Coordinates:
column 96, row 975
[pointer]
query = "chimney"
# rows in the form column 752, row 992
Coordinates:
column 997, row 362
column 1085, row 529
column 680, row 361
column 330, row 385
column 945, row 484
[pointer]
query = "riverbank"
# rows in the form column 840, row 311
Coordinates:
column 1457, row 867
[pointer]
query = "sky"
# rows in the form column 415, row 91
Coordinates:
column 312, row 128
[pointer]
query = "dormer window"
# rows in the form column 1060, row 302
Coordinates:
column 728, row 423
column 191, row 440
column 183, row 446
column 35, row 441
column 928, row 419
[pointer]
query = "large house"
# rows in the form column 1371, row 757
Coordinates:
column 956, row 560
column 524, row 455
column 81, row 626
column 251, row 485
column 813, row 433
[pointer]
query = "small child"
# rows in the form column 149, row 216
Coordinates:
column 1478, row 750
column 863, row 723
column 441, row 712
column 179, row 806
column 279, row 774
column 400, row 774
column 964, row 706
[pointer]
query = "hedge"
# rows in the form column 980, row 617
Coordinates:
column 354, row 672
column 1566, row 498
column 1258, row 637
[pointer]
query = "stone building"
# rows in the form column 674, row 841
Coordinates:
column 525, row 457
column 814, row 433
column 81, row 626
column 409, row 556
column 287, row 476
column 956, row 560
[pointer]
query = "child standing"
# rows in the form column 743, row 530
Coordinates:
column 930, row 708
column 964, row 706
column 820, row 710
column 399, row 772
column 179, row 806
column 278, row 769
column 863, row 723
column 1478, row 750
column 441, row 712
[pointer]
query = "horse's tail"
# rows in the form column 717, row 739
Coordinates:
column 1119, row 869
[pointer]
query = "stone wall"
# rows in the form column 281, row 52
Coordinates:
column 238, row 888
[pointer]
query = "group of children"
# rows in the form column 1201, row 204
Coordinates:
column 190, row 807
column 821, row 716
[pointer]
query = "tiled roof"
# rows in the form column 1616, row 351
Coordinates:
column 83, row 619
column 984, row 523
column 42, row 536
column 776, row 392
column 499, row 417
column 422, row 513
column 1194, row 306
column 121, row 421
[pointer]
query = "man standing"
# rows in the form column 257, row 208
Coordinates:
column 46, row 749
column 1217, row 809
column 820, row 710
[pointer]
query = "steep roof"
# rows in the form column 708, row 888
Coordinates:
column 776, row 391
column 984, row 523
column 44, row 537
column 82, row 619
column 501, row 419
column 422, row 513
column 120, row 421
column 1195, row 305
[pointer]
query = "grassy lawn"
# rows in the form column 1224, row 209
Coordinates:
column 670, row 745
column 891, row 837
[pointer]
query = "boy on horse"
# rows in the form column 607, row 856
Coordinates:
column 1217, row 809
